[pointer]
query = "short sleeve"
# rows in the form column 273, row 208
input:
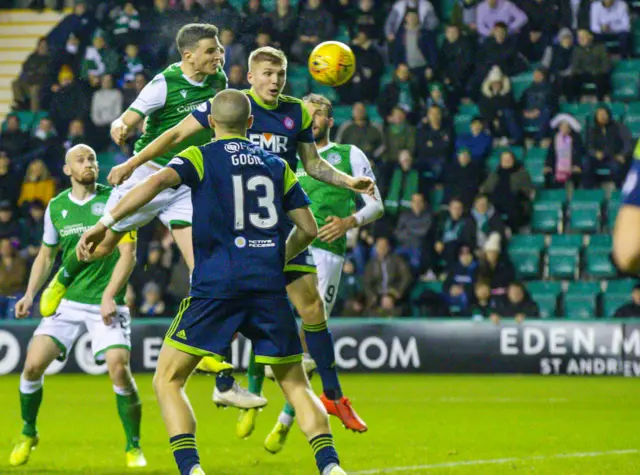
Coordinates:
column 50, row 236
column 306, row 130
column 360, row 165
column 294, row 195
column 151, row 98
column 189, row 165
column 202, row 113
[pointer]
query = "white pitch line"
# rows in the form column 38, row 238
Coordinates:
column 466, row 463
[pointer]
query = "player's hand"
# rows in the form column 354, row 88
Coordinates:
column 23, row 307
column 89, row 241
column 119, row 132
column 120, row 173
column 335, row 228
column 107, row 309
column 364, row 184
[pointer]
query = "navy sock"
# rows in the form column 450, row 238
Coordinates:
column 224, row 381
column 185, row 452
column 320, row 344
column 324, row 451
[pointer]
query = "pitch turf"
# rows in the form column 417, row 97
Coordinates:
column 418, row 425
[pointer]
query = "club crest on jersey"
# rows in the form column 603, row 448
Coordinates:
column 183, row 93
column 270, row 142
column 240, row 242
column 289, row 123
column 64, row 213
column 232, row 147
column 97, row 209
column 334, row 158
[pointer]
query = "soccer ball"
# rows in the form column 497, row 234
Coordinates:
column 332, row 63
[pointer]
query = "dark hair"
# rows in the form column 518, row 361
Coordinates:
column 189, row 35
column 501, row 24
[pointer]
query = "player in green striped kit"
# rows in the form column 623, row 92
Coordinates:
column 335, row 212
column 94, row 301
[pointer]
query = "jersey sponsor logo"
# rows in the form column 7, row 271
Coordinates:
column 97, row 209
column 74, row 229
column 64, row 213
column 630, row 183
column 183, row 93
column 289, row 123
column 270, row 142
column 301, row 173
column 240, row 242
column 176, row 161
column 257, row 243
column 202, row 107
column 334, row 158
column 188, row 108
column 232, row 147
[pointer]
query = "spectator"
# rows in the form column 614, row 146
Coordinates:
column 437, row 98
column 564, row 157
column 37, row 185
column 362, row 133
column 106, row 106
column 350, row 286
column 498, row 107
column 365, row 84
column 161, row 25
column 253, row 18
column 607, row 151
column 611, row 21
column 449, row 234
column 631, row 309
column 496, row 269
column 492, row 12
column 9, row 226
column 413, row 46
column 462, row 178
column 574, row 14
column 405, row 182
column 131, row 90
column 478, row 142
column 517, row 304
column 414, row 234
column 81, row 23
column 533, row 44
column 398, row 135
column 126, row 26
column 403, row 92
column 590, row 64
column 538, row 104
column 238, row 78
column 13, row 274
column 99, row 59
column 152, row 304
column 222, row 14
column 13, row 140
column 455, row 63
column 283, row 21
column 263, row 38
column 463, row 273
column 34, row 75
column 76, row 134
column 557, row 60
column 154, row 269
column 499, row 51
column 355, row 307
column 132, row 63
column 234, row 53
column 481, row 307
column 543, row 17
column 434, row 143
column 314, row 26
column 426, row 16
column 386, row 274
column 70, row 56
column 9, row 180
column 364, row 16
column 32, row 229
column 511, row 190
column 45, row 144
column 69, row 101
column 482, row 223
column 386, row 308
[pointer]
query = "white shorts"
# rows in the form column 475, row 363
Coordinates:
column 172, row 207
column 329, row 267
column 71, row 318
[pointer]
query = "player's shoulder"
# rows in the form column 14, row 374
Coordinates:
column 103, row 190
column 60, row 197
column 172, row 71
column 290, row 100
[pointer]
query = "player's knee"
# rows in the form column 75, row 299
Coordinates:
column 165, row 378
column 119, row 373
column 311, row 309
column 33, row 370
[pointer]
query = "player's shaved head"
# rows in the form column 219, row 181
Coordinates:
column 230, row 111
column 80, row 149
column 81, row 164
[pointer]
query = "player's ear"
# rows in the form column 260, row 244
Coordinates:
column 331, row 122
column 249, row 122
column 250, row 78
column 211, row 122
column 66, row 169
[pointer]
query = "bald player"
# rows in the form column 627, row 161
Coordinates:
column 240, row 194
column 95, row 300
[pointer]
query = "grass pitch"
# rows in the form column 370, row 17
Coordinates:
column 458, row 425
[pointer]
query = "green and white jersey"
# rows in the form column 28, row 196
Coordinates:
column 65, row 219
column 169, row 98
column 328, row 200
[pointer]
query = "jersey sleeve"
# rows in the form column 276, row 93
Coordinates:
column 631, row 187
column 151, row 98
column 50, row 236
column 202, row 113
column 294, row 195
column 306, row 130
column 130, row 236
column 360, row 165
column 189, row 165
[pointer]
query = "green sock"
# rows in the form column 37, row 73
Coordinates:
column 255, row 373
column 29, row 406
column 288, row 410
column 70, row 269
column 130, row 412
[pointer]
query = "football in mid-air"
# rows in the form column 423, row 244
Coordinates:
column 332, row 63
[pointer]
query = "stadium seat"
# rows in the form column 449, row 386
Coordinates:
column 612, row 212
column 415, row 296
column 618, row 109
column 341, row 114
column 327, row 91
column 625, row 86
column 435, row 198
column 588, row 196
column 374, row 115
column 527, row 264
column 547, row 217
column 564, row 256
column 620, row 287
column 558, row 196
column 537, row 154
column 580, row 300
column 521, row 242
column 584, row 219
column 633, row 112
column 611, row 303
column 601, row 242
column 634, row 128
column 517, row 150
column 462, row 123
column 492, row 163
column 545, row 294
column 582, row 112
column 470, row 109
column 520, row 83
column 26, row 120
column 599, row 265
column 536, row 171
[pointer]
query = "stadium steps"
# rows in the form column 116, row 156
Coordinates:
column 19, row 33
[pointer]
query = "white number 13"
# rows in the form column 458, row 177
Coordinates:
column 265, row 201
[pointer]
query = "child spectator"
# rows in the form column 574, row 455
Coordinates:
column 152, row 304
column 564, row 157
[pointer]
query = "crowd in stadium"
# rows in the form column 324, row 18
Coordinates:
column 485, row 121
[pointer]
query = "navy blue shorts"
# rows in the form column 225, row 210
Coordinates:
column 631, row 187
column 206, row 327
column 300, row 265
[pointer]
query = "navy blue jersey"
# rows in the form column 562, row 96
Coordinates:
column 277, row 129
column 240, row 196
column 631, row 187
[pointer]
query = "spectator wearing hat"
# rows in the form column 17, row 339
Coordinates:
column 359, row 131
column 13, row 139
column 538, row 104
column 399, row 135
column 497, row 107
column 37, row 184
column 13, row 275
column 557, row 61
column 630, row 309
column 478, row 141
column 517, row 304
column 590, row 64
column 9, row 180
column 9, row 226
column 455, row 63
column 564, row 157
column 34, row 75
column 403, row 92
column 414, row 234
column 434, row 143
column 492, row 12
column 462, row 178
column 496, row 269
column 152, row 303
column 70, row 100
column 611, row 21
column 365, row 84
column 386, row 274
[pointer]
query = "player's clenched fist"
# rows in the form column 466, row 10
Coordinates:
column 119, row 174
column 119, row 131
column 23, row 307
column 90, row 240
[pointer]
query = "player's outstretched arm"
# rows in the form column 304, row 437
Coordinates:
column 165, row 142
column 323, row 171
column 336, row 227
column 40, row 272
column 119, row 277
column 303, row 234
column 121, row 127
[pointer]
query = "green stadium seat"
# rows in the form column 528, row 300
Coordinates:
column 628, row 66
column 611, row 303
column 633, row 112
column 342, row 114
column 566, row 241
column 634, row 128
column 615, row 195
column 462, row 123
column 547, row 217
column 625, row 86
column 492, row 163
column 537, row 154
column 581, row 112
column 26, row 120
column 601, row 242
column 544, row 287
column 524, row 242
column 599, row 265
column 418, row 290
column 536, row 171
column 520, row 83
column 527, row 264
column 374, row 115
column 580, row 299
column 583, row 288
column 469, row 109
column 558, row 196
column 612, row 212
column 620, row 287
column 585, row 218
column 545, row 294
column 517, row 150
column 298, row 86
column 327, row 91
column 343, row 35
column 588, row 196
column 618, row 109
column 564, row 256
column 387, row 76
